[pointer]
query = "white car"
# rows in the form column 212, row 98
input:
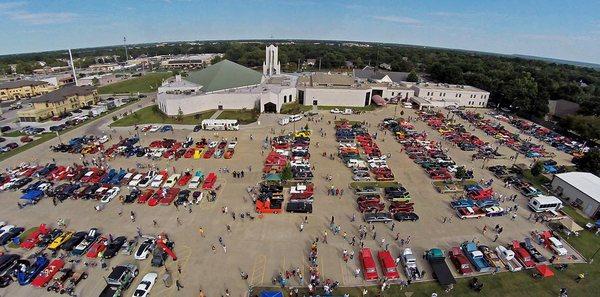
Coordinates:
column 213, row 144
column 103, row 139
column 172, row 180
column 194, row 182
column 557, row 246
column 154, row 128
column 348, row 111
column 147, row 180
column 7, row 185
column 44, row 186
column 135, row 180
column 144, row 250
column 112, row 193
column 158, row 180
column 232, row 145
column 6, row 228
column 143, row 289
column 336, row 111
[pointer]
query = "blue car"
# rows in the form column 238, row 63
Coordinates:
column 32, row 196
column 26, row 274
column 166, row 128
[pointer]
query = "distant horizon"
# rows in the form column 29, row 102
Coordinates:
column 278, row 40
column 553, row 28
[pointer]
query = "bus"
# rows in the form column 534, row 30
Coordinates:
column 544, row 203
column 220, row 125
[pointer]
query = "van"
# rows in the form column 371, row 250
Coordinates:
column 544, row 203
column 295, row 118
column 408, row 105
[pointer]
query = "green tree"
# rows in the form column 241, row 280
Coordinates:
column 412, row 77
column 537, row 168
column 179, row 114
column 461, row 173
column 286, row 174
column 590, row 162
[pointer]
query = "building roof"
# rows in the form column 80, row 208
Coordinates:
column 324, row 79
column 63, row 93
column 447, row 87
column 224, row 75
column 586, row 182
column 21, row 83
column 372, row 73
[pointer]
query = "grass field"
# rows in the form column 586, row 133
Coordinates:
column 15, row 133
column 513, row 284
column 294, row 108
column 244, row 116
column 144, row 84
column 152, row 115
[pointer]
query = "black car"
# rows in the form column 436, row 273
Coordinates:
column 132, row 196
column 182, row 197
column 197, row 128
column 49, row 238
column 405, row 216
column 392, row 192
column 159, row 256
column 7, row 262
column 113, row 248
column 21, row 183
column 10, row 234
column 70, row 244
column 299, row 206
column 5, row 128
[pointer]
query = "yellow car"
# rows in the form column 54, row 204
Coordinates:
column 60, row 240
column 302, row 134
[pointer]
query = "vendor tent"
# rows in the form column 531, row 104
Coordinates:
column 570, row 225
column 273, row 177
column 544, row 270
column 271, row 294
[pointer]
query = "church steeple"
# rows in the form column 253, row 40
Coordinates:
column 271, row 66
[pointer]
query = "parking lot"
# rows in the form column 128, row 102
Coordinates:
column 270, row 244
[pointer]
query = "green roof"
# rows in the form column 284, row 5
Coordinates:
column 224, row 75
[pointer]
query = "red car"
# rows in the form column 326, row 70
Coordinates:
column 156, row 144
column 522, row 255
column 209, row 181
column 209, row 153
column 368, row 199
column 26, row 139
column 228, row 154
column 48, row 273
column 390, row 271
column 370, row 207
column 97, row 177
column 156, row 197
column 170, row 196
column 368, row 264
column 184, row 179
column 460, row 261
column 189, row 153
column 98, row 247
column 145, row 196
column 34, row 237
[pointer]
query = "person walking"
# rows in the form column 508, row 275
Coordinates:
column 154, row 223
column 301, row 227
column 201, row 231
column 178, row 284
column 496, row 237
column 356, row 272
column 580, row 277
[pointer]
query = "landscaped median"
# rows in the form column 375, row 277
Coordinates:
column 244, row 116
column 153, row 115
column 294, row 108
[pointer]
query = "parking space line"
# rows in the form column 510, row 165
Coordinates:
column 258, row 269
column 342, row 273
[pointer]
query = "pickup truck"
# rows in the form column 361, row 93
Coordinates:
column 554, row 215
column 508, row 258
column 409, row 262
column 535, row 254
column 119, row 280
column 441, row 272
column 476, row 257
column 473, row 212
column 491, row 257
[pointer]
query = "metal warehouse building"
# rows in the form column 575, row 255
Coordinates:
column 581, row 189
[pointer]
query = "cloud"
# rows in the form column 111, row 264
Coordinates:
column 397, row 19
column 17, row 12
column 446, row 14
column 43, row 18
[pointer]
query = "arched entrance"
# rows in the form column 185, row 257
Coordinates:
column 270, row 107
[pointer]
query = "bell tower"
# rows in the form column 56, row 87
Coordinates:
column 271, row 66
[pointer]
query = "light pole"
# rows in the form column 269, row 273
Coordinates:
column 395, row 110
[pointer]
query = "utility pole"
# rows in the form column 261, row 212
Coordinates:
column 319, row 64
column 125, row 45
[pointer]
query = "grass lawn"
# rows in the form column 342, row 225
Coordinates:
column 244, row 116
column 537, row 181
column 294, row 108
column 369, row 107
column 15, row 133
column 50, row 135
column 144, row 84
column 153, row 115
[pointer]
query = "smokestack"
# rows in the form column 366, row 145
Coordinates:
column 73, row 67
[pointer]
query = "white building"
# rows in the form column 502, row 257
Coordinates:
column 271, row 65
column 581, row 189
column 441, row 95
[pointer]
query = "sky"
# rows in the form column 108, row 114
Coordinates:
column 548, row 28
